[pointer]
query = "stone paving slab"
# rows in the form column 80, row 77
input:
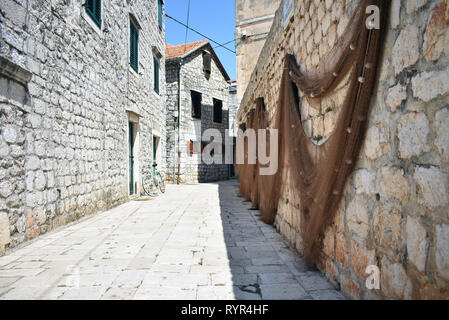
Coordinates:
column 194, row 242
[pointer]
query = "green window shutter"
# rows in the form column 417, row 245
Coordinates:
column 98, row 12
column 156, row 74
column 90, row 5
column 134, row 47
column 93, row 9
column 160, row 13
column 131, row 44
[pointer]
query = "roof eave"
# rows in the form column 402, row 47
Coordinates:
column 217, row 60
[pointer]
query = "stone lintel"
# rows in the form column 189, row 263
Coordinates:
column 12, row 71
column 156, row 52
column 133, row 116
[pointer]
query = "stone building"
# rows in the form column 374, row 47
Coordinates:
column 197, row 100
column 233, row 108
column 233, row 123
column 253, row 19
column 82, row 105
column 394, row 212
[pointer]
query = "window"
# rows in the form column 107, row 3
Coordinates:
column 207, row 63
column 93, row 9
column 218, row 110
column 134, row 46
column 194, row 147
column 196, row 104
column 190, row 147
column 159, row 13
column 156, row 74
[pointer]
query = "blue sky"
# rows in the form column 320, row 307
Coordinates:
column 213, row 18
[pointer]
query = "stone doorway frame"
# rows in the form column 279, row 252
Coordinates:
column 134, row 119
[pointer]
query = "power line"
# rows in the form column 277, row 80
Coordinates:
column 211, row 40
column 224, row 44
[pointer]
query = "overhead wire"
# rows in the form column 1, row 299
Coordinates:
column 233, row 40
column 199, row 33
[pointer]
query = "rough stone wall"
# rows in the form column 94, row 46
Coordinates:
column 254, row 17
column 172, row 77
column 233, row 109
column 394, row 214
column 13, row 96
column 64, row 150
column 192, row 169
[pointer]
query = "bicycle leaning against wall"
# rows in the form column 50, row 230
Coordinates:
column 152, row 182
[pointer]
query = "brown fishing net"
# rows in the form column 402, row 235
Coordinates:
column 318, row 173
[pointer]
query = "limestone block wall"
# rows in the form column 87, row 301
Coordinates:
column 13, row 97
column 233, row 109
column 64, row 137
column 172, row 77
column 192, row 169
column 253, row 18
column 394, row 214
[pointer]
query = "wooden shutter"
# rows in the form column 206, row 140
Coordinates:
column 90, row 5
column 134, row 47
column 131, row 44
column 93, row 9
column 156, row 75
column 160, row 14
column 190, row 147
column 97, row 11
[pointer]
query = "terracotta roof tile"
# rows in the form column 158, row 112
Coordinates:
column 172, row 52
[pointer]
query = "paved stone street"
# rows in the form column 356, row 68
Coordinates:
column 194, row 242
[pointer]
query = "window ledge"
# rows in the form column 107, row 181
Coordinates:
column 97, row 29
column 133, row 71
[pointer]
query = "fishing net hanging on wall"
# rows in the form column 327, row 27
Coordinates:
column 319, row 179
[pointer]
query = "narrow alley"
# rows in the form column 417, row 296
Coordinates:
column 195, row 242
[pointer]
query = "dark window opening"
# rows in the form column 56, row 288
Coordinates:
column 134, row 46
column 207, row 63
column 297, row 99
column 218, row 110
column 156, row 74
column 93, row 9
column 196, row 104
